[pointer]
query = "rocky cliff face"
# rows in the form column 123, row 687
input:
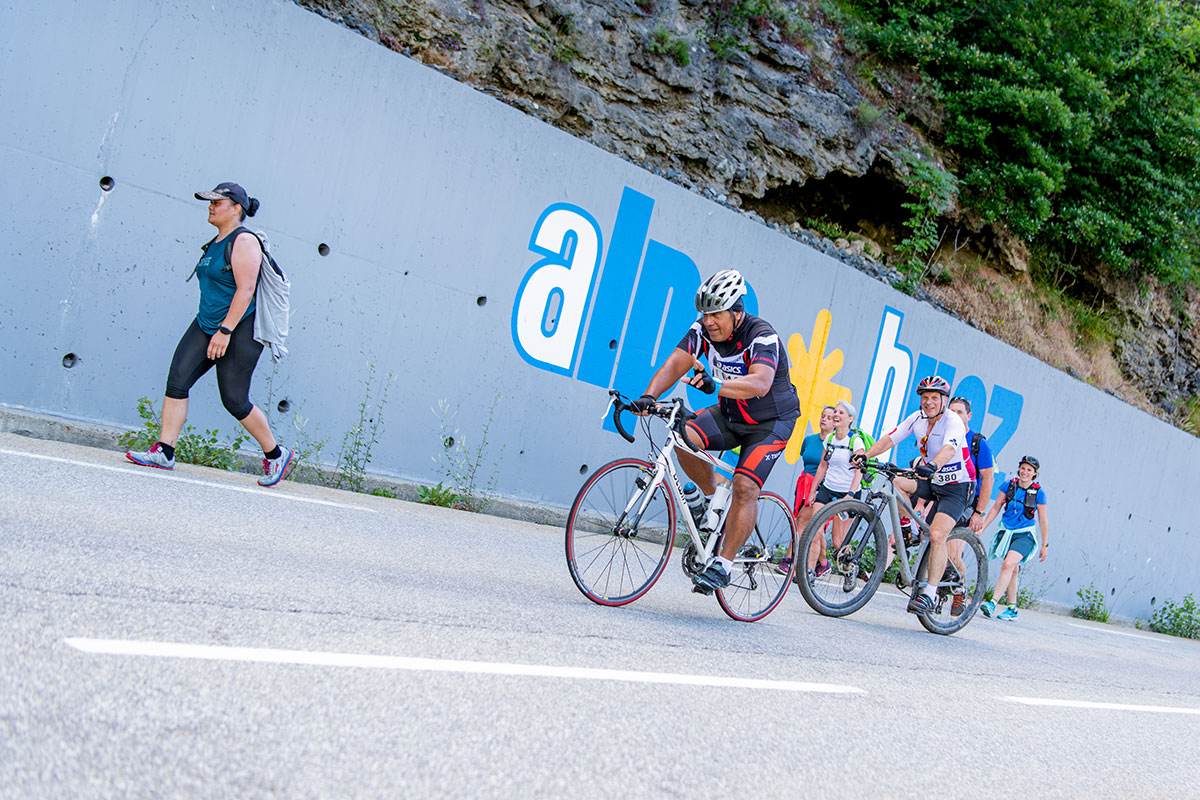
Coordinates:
column 770, row 114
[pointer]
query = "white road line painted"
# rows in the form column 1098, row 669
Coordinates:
column 159, row 474
column 1042, row 701
column 1106, row 630
column 311, row 658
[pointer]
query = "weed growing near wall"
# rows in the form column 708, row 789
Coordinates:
column 357, row 443
column 462, row 465
column 438, row 496
column 1093, row 605
column 207, row 449
column 1178, row 620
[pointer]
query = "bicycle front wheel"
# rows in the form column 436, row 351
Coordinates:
column 966, row 578
column 760, row 576
column 851, row 549
column 618, row 536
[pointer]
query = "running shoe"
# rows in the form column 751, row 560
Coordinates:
column 920, row 603
column 276, row 469
column 154, row 457
column 1008, row 615
column 848, row 582
column 822, row 568
column 958, row 604
column 988, row 608
column 783, row 566
column 715, row 577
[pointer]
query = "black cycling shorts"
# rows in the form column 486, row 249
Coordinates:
column 761, row 444
column 235, row 369
column 827, row 495
column 949, row 498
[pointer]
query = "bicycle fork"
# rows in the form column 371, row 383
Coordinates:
column 641, row 499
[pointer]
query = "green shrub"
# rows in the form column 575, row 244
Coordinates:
column 1178, row 620
column 663, row 42
column 207, row 449
column 827, row 228
column 1075, row 124
column 438, row 496
column 1093, row 605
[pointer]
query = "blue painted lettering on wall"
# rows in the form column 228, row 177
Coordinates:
column 612, row 327
column 890, row 395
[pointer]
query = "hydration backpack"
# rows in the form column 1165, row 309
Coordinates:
column 867, row 442
column 1030, row 497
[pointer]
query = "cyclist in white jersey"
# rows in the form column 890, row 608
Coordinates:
column 943, row 477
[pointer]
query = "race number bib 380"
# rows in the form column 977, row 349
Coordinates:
column 948, row 473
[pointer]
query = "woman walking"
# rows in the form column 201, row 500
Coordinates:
column 1024, row 505
column 221, row 335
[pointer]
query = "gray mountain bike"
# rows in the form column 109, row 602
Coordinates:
column 853, row 534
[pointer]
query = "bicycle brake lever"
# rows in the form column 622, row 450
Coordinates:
column 612, row 399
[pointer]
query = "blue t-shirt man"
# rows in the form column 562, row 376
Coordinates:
column 983, row 461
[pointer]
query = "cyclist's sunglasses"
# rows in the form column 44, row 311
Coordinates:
column 963, row 400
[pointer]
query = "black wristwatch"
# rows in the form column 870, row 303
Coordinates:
column 224, row 330
column 980, row 513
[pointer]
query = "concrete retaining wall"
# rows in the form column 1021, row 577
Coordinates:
column 471, row 253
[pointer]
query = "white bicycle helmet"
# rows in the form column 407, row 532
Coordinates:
column 720, row 292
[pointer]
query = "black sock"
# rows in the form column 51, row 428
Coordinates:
column 168, row 450
column 276, row 453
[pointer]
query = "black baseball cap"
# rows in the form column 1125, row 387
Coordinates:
column 227, row 191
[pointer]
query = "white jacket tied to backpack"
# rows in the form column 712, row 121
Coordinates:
column 272, row 303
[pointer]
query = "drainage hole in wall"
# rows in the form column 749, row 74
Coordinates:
column 284, row 406
column 1068, row 580
column 107, row 183
column 612, row 345
column 323, row 249
column 69, row 360
column 1153, row 600
column 521, row 453
column 583, row 470
column 1114, row 591
column 448, row 443
column 481, row 301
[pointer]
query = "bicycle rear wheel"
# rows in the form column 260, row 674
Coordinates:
column 968, row 579
column 852, row 577
column 756, row 582
column 615, row 553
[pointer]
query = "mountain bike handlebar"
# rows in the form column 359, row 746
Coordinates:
column 890, row 470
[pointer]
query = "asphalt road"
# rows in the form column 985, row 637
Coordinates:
column 188, row 634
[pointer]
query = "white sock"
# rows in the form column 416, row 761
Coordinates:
column 930, row 591
column 725, row 563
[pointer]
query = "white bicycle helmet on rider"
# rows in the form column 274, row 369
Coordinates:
column 721, row 292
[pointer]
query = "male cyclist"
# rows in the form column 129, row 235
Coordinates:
column 942, row 476
column 756, row 410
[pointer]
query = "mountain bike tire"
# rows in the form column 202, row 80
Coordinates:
column 841, row 590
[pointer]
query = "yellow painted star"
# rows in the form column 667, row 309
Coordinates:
column 812, row 374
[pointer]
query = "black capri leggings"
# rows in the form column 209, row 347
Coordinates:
column 234, row 369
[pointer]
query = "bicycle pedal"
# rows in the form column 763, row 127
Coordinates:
column 698, row 589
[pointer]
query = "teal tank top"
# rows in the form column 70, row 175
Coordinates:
column 217, row 287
